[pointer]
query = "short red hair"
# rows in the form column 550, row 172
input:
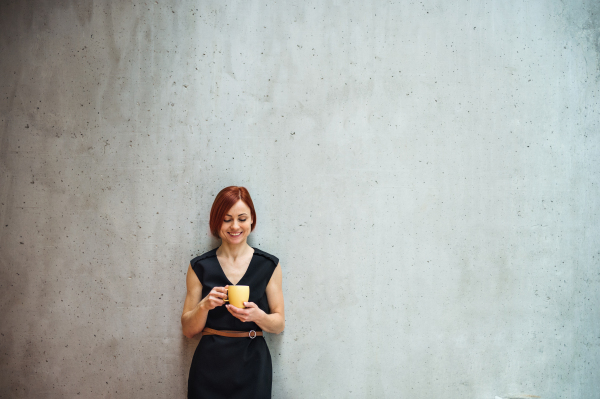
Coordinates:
column 223, row 203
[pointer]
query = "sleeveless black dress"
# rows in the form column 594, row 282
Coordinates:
column 231, row 368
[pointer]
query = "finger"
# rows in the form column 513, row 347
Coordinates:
column 250, row 305
column 239, row 313
column 220, row 289
column 233, row 309
column 230, row 308
column 215, row 296
column 216, row 300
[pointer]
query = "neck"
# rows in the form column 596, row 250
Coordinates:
column 233, row 251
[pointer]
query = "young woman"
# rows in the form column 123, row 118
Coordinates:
column 232, row 359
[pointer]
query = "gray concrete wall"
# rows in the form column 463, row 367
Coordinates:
column 427, row 173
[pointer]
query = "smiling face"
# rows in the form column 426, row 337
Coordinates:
column 237, row 224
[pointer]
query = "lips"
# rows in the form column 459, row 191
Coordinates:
column 235, row 234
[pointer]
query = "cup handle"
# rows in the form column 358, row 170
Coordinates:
column 226, row 300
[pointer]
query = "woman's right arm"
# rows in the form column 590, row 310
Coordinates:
column 195, row 310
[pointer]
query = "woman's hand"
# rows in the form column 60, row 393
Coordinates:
column 251, row 313
column 215, row 298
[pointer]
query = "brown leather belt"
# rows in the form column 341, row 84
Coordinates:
column 232, row 334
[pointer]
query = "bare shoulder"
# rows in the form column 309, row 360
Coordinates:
column 192, row 280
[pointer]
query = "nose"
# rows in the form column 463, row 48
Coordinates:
column 235, row 224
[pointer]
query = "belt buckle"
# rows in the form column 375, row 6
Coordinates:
column 250, row 334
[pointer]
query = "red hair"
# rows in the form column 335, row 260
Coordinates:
column 223, row 203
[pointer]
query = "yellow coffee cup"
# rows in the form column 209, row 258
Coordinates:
column 237, row 295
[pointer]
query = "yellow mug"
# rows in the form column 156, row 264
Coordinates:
column 237, row 295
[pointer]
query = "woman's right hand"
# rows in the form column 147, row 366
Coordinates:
column 215, row 298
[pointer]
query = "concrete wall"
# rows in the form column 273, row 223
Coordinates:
column 426, row 171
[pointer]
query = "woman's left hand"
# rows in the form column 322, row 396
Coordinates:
column 251, row 313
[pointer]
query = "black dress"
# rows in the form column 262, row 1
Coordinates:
column 231, row 368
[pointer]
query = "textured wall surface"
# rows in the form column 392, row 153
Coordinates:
column 427, row 172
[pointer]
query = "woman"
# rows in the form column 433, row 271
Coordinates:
column 232, row 359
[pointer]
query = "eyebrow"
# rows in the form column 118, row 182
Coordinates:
column 238, row 215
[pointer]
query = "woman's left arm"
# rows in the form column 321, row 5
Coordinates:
column 274, row 322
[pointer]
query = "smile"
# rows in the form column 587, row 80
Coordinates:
column 235, row 234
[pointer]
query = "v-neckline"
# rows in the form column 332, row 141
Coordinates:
column 244, row 275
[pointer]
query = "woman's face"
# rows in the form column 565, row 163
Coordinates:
column 237, row 224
